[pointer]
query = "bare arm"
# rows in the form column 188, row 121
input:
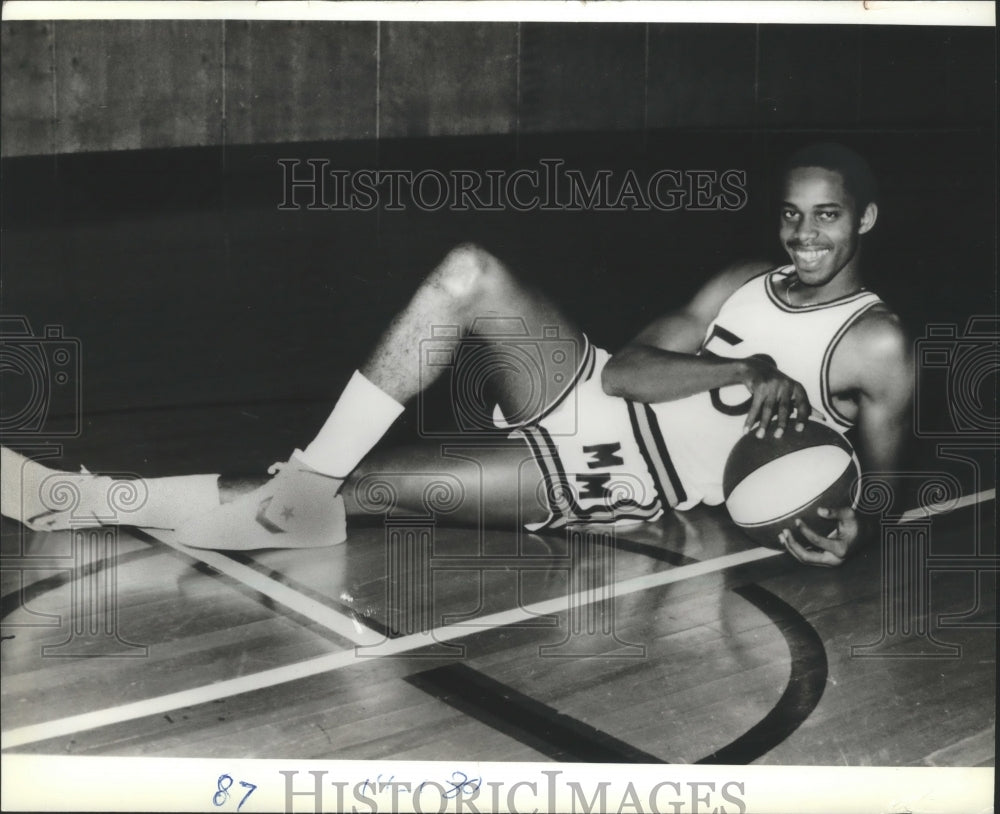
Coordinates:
column 875, row 355
column 660, row 363
column 885, row 393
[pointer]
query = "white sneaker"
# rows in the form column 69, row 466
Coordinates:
column 300, row 496
column 46, row 499
column 309, row 513
column 52, row 500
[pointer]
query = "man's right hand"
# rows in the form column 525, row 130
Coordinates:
column 775, row 395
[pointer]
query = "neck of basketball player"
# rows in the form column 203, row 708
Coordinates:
column 808, row 288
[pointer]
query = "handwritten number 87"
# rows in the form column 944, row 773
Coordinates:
column 222, row 795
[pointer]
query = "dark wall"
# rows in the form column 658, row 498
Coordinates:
column 79, row 86
column 141, row 187
column 128, row 248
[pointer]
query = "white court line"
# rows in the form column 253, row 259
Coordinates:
column 289, row 597
column 335, row 661
column 388, row 647
column 946, row 506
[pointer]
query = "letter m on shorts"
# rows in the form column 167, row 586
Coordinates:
column 604, row 455
column 593, row 486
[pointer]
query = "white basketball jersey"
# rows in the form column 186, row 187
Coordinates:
column 699, row 431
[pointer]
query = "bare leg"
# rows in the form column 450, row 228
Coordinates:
column 472, row 291
column 524, row 352
column 492, row 486
column 505, row 345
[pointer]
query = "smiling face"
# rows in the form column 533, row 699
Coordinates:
column 821, row 229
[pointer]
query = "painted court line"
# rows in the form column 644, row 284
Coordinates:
column 289, row 597
column 386, row 647
column 344, row 626
column 946, row 506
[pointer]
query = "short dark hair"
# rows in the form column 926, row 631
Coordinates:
column 859, row 180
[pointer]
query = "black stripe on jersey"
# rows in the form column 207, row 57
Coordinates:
column 803, row 309
column 651, row 465
column 568, row 511
column 661, row 447
column 583, row 372
column 824, row 370
column 654, row 452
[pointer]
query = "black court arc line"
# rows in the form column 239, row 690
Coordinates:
column 544, row 728
column 565, row 738
column 557, row 736
column 19, row 597
column 648, row 550
column 806, row 681
column 672, row 557
column 13, row 600
column 805, row 687
column 485, row 697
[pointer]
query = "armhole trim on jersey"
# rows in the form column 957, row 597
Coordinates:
column 824, row 372
column 756, row 278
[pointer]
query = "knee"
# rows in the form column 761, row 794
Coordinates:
column 469, row 272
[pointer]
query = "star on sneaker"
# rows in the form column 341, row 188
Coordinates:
column 300, row 496
column 310, row 517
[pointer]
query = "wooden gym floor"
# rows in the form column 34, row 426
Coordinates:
column 678, row 641
column 694, row 647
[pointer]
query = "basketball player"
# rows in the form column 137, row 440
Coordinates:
column 610, row 439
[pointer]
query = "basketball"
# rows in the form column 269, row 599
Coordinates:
column 769, row 482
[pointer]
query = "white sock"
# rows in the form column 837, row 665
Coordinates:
column 361, row 416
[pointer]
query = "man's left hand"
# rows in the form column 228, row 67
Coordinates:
column 831, row 551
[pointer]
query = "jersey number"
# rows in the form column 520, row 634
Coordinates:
column 732, row 340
